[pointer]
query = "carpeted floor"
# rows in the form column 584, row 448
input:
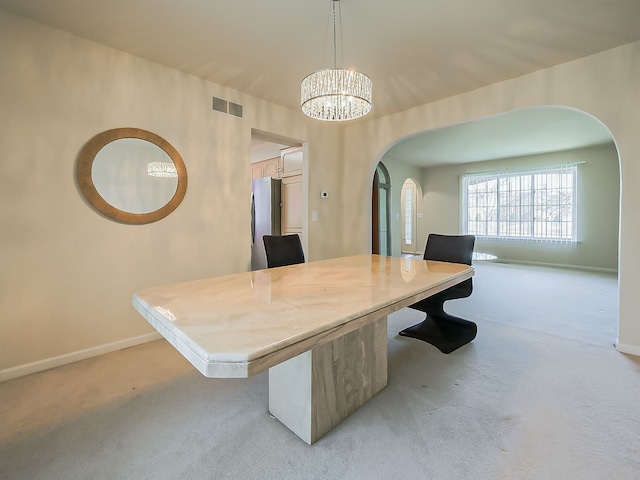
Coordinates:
column 582, row 305
column 532, row 397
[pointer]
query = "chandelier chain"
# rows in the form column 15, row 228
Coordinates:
column 335, row 48
column 335, row 94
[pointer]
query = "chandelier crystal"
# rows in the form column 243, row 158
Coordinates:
column 335, row 94
column 161, row 169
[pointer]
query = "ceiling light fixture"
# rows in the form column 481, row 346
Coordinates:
column 335, row 94
column 162, row 169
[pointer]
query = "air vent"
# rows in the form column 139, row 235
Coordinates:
column 222, row 105
column 235, row 109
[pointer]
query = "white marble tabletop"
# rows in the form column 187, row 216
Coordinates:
column 238, row 325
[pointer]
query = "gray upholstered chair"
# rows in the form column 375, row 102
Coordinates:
column 444, row 331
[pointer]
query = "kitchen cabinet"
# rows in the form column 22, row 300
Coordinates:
column 291, row 191
column 288, row 164
column 291, row 162
column 266, row 168
column 288, row 168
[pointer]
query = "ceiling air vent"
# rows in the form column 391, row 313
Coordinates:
column 221, row 105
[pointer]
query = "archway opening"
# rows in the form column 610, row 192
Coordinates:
column 531, row 139
column 381, row 211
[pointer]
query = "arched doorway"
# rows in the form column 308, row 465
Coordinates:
column 512, row 142
column 381, row 211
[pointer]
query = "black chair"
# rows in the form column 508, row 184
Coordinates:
column 283, row 250
column 445, row 332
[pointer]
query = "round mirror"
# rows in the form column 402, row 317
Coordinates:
column 131, row 175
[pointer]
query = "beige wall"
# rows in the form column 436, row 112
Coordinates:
column 598, row 196
column 606, row 85
column 66, row 273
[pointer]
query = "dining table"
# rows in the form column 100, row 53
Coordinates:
column 319, row 328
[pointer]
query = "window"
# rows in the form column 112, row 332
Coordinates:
column 408, row 215
column 534, row 205
column 408, row 211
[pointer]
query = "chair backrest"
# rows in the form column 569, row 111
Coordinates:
column 283, row 250
column 450, row 248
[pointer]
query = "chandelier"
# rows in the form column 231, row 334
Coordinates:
column 335, row 94
column 165, row 168
column 161, row 169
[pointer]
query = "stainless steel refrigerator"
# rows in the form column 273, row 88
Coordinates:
column 265, row 216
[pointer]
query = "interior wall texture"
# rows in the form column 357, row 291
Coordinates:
column 598, row 198
column 67, row 274
column 605, row 85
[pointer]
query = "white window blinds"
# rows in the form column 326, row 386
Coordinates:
column 535, row 204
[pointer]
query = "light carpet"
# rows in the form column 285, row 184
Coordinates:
column 520, row 402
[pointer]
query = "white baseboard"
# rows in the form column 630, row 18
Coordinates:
column 556, row 265
column 47, row 363
column 629, row 349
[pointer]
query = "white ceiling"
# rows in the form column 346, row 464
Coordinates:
column 415, row 51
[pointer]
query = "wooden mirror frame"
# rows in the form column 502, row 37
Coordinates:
column 85, row 182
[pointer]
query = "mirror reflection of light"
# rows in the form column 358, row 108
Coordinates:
column 483, row 256
column 163, row 169
column 166, row 313
column 407, row 269
column 261, row 283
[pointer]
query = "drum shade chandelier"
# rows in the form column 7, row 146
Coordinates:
column 335, row 94
column 161, row 169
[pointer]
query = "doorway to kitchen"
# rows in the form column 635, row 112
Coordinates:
column 277, row 163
